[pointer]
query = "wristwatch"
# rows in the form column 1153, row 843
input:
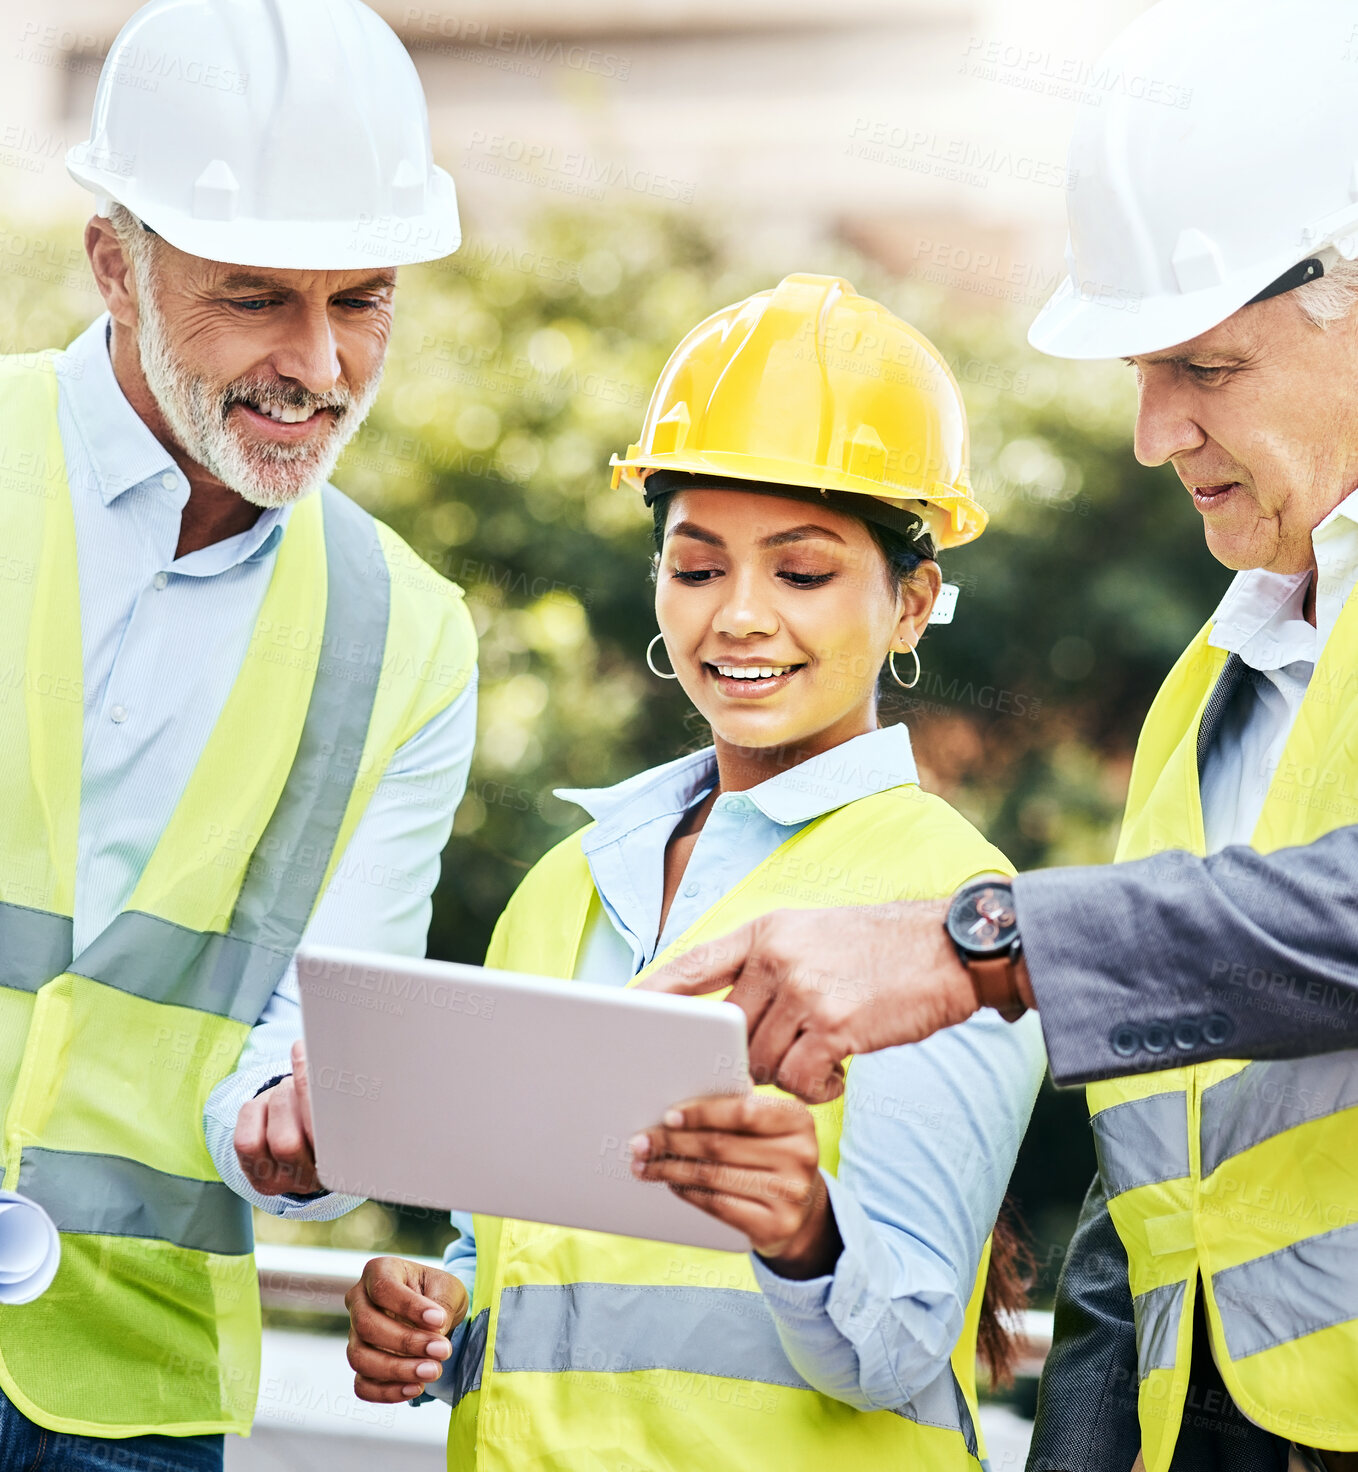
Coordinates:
column 982, row 924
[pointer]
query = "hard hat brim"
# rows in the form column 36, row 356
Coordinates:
column 372, row 243
column 953, row 517
column 1081, row 326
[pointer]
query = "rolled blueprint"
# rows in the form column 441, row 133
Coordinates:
column 29, row 1249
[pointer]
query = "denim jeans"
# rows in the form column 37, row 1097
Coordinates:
column 25, row 1447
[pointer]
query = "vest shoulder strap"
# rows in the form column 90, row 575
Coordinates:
column 1174, row 712
column 431, row 645
column 546, row 913
column 17, row 365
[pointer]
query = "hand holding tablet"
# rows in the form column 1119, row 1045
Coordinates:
column 451, row 1086
column 753, row 1161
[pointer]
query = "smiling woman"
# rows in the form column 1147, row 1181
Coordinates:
column 803, row 454
column 778, row 617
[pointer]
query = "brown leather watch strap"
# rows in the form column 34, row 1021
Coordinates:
column 996, row 984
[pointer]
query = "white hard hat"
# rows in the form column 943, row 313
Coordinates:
column 279, row 133
column 1216, row 161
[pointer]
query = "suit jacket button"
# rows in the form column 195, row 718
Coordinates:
column 1156, row 1037
column 1187, row 1034
column 1126, row 1040
column 1216, row 1029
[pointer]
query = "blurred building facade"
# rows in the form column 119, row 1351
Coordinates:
column 929, row 134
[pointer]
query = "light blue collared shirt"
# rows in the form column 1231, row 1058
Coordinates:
column 931, row 1131
column 162, row 641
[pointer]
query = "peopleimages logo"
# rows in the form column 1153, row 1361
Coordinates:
column 544, row 163
column 1034, row 70
column 144, row 69
column 508, row 48
column 405, row 987
column 962, row 160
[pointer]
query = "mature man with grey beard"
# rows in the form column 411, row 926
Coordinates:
column 233, row 722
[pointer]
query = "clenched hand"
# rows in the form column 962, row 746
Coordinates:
column 400, row 1316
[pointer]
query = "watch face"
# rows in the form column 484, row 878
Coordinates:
column 982, row 920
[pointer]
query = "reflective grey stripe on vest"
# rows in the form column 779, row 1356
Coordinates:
column 1298, row 1290
column 616, row 1328
column 1265, row 1099
column 1141, row 1142
column 289, row 862
column 234, row 975
column 471, row 1359
column 35, row 946
column 1158, row 1313
column 117, row 1197
column 163, row 962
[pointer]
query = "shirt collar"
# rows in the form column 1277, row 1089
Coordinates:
column 1336, row 547
column 122, row 450
column 1336, row 538
column 860, row 767
column 1261, row 617
column 124, row 453
column 1261, row 620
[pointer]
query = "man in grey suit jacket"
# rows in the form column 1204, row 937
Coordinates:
column 1244, row 339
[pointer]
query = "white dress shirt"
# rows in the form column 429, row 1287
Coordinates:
column 1261, row 620
column 162, row 641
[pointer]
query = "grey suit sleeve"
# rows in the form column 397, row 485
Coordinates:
column 1086, row 1405
column 1177, row 959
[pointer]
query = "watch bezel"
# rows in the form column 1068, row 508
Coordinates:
column 1008, row 939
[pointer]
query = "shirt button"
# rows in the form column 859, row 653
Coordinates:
column 1187, row 1034
column 169, row 480
column 1216, row 1029
column 738, row 804
column 160, row 580
column 1126, row 1040
column 118, row 714
column 690, row 889
column 1155, row 1037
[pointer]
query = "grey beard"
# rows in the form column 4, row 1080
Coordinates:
column 196, row 414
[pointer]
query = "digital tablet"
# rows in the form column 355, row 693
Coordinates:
column 454, row 1087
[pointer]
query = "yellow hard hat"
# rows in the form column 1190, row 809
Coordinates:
column 812, row 385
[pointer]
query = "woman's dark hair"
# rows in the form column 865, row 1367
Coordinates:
column 1012, row 1269
column 903, row 553
column 1008, row 1283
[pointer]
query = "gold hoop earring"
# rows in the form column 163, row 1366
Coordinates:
column 650, row 663
column 891, row 665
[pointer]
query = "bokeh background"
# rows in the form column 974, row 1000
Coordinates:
column 624, row 169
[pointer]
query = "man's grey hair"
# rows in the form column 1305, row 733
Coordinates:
column 138, row 243
column 1332, row 298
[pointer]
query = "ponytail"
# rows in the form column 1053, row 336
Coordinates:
column 1007, row 1285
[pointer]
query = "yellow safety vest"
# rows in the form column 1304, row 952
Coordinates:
column 588, row 1351
column 107, row 1058
column 1242, row 1176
